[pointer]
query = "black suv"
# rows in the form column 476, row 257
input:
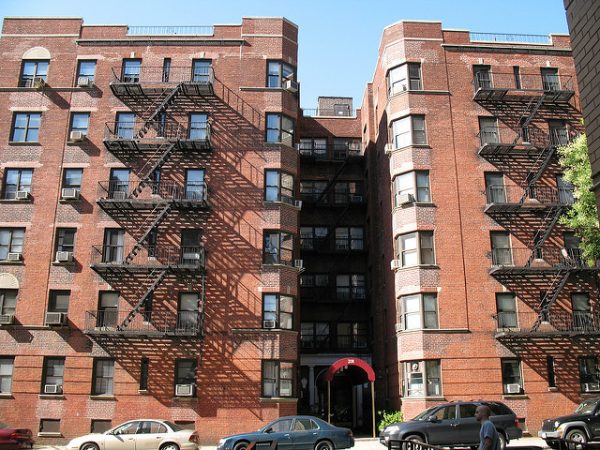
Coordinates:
column 454, row 425
column 581, row 426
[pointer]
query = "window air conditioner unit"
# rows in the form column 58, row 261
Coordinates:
column 55, row 318
column 591, row 387
column 118, row 195
column 269, row 324
column 354, row 198
column 389, row 148
column 22, row 195
column 184, row 390
column 70, row 193
column 298, row 203
column 7, row 319
column 290, row 85
column 84, row 82
column 396, row 264
column 513, row 388
column 76, row 136
column 12, row 256
column 192, row 256
column 299, row 264
column 406, row 199
column 52, row 389
column 64, row 256
column 38, row 82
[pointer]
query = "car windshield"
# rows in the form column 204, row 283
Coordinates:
column 425, row 414
column 586, row 407
column 173, row 426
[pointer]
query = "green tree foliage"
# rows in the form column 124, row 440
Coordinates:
column 583, row 215
column 389, row 417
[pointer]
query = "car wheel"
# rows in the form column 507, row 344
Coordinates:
column 241, row 445
column 502, row 440
column 89, row 446
column 170, row 446
column 414, row 443
column 324, row 445
column 576, row 439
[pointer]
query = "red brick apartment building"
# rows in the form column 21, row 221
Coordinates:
column 179, row 239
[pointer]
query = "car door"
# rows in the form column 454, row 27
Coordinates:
column 441, row 426
column 305, row 433
column 467, row 426
column 122, row 437
column 280, row 432
column 594, row 422
column 149, row 435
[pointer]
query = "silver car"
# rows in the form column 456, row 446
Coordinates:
column 140, row 434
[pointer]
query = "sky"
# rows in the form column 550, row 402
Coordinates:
column 338, row 39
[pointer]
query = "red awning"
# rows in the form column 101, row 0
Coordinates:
column 349, row 362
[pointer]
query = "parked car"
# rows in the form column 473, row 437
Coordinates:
column 454, row 425
column 297, row 432
column 15, row 438
column 581, row 426
column 141, row 434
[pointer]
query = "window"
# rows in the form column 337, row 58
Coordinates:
column 551, row 371
column 166, row 70
column 315, row 335
column 202, row 71
column 103, row 377
column 494, row 187
column 341, row 109
column 501, row 251
column 280, row 129
column 313, row 238
column 550, row 80
column 350, row 287
column 16, row 180
column 185, row 372
column 411, row 187
column 422, row 378
column 314, row 285
column 124, row 126
column 113, row 251
column 511, row 376
column 118, row 184
column 507, row 310
column 349, row 238
column 6, row 373
column 26, row 127
column 198, row 130
column 488, row 130
column 59, row 301
column 108, row 304
column 277, row 379
column 559, row 135
column 352, row 335
column 100, row 425
column 144, row 369
column 404, row 77
column 86, row 69
column 8, row 301
column 72, row 178
column 419, row 311
column 316, row 147
column 80, row 122
column 345, row 192
column 565, row 191
column 31, row 70
column 582, row 311
column 52, row 379
column 278, row 310
column 11, row 241
column 191, row 246
column 65, row 239
column 415, row 248
column 517, row 75
column 483, row 77
column 279, row 187
column 278, row 247
column 131, row 70
column 409, row 130
column 344, row 147
column 279, row 71
column 50, row 426
column 572, row 245
column 195, row 187
column 188, row 312
column 311, row 191
column 589, row 376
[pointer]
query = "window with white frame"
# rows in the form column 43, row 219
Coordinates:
column 6, row 373
column 278, row 310
column 16, row 180
column 277, row 379
column 409, row 130
column 103, row 376
column 406, row 77
column 507, row 310
column 86, row 69
column 411, row 187
column 419, row 311
column 278, row 247
column 8, row 301
column 415, row 248
column 31, row 70
column 349, row 238
column 422, row 378
column 280, row 129
column 11, row 241
column 80, row 122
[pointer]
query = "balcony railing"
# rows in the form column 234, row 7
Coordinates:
column 536, row 195
column 340, row 343
column 544, row 258
column 555, row 321
column 108, row 321
column 165, row 30
column 158, row 256
column 170, row 75
column 329, row 112
column 326, row 153
column 194, row 131
column 194, row 192
column 511, row 38
column 526, row 82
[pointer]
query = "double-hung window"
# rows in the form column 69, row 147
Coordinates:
column 315, row 335
column 26, row 127
column 488, row 130
column 16, row 180
column 280, row 129
column 278, row 311
column 313, row 238
column 277, row 379
column 406, row 77
column 512, row 381
column 108, row 309
column 507, row 310
column 419, row 311
column 11, row 242
column 550, row 80
column 65, row 240
column 279, row 186
column 422, row 378
column 483, row 77
column 52, row 379
column 311, row 191
column 352, row 335
column 72, row 179
column 278, row 72
column 501, row 250
column 131, row 70
column 349, row 238
column 124, row 127
column 345, row 192
column 350, row 286
column 86, row 70
column 103, row 376
column 202, row 71
column 589, row 374
column 412, row 186
column 315, row 147
column 32, row 70
column 494, row 187
column 58, row 301
column 6, row 374
column 198, row 127
column 415, row 248
column 409, row 130
column 278, row 247
column 8, row 301
column 185, row 373
column 79, row 123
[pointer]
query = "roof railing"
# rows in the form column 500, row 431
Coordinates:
column 165, row 30
column 511, row 38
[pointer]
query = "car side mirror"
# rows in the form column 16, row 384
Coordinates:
column 432, row 419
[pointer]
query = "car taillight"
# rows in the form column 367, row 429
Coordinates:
column 14, row 435
column 517, row 424
column 350, row 433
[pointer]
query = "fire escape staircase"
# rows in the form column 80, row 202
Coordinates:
column 155, row 277
column 551, row 295
column 332, row 181
column 153, row 219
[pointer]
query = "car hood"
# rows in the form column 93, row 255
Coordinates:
column 569, row 418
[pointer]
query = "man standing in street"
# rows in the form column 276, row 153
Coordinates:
column 488, row 436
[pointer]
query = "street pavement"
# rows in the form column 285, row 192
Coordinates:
column 373, row 444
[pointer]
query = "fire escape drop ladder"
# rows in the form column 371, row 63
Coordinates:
column 157, row 276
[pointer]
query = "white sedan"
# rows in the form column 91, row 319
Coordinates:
column 140, row 434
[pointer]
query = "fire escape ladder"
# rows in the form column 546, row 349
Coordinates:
column 332, row 181
column 553, row 215
column 531, row 111
column 155, row 162
column 341, row 216
column 547, row 155
column 551, row 295
column 157, row 215
column 158, row 107
column 136, row 309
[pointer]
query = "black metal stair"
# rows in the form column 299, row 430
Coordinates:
column 138, row 306
column 551, row 295
column 157, row 214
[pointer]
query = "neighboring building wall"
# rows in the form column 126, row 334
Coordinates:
column 584, row 28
